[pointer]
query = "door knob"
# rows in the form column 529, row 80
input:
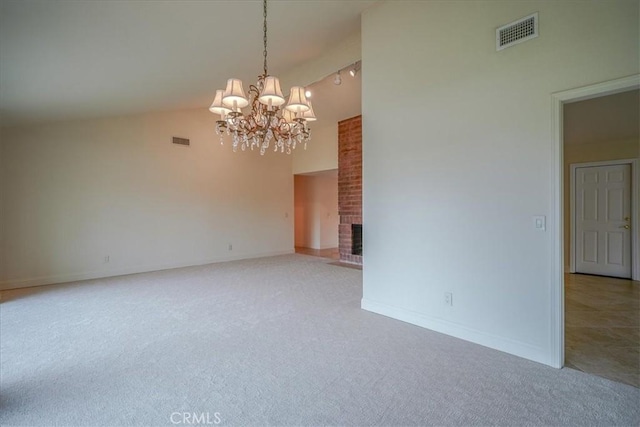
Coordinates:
column 626, row 227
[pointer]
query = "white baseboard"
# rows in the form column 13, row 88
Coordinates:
column 506, row 345
column 88, row 275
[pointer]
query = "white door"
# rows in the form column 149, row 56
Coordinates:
column 602, row 218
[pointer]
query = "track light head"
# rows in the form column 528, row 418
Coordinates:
column 354, row 71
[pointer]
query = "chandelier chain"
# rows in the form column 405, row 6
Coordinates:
column 265, row 36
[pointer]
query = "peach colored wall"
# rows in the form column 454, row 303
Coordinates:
column 1, row 214
column 316, row 210
column 301, row 198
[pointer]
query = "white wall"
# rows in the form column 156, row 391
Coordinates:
column 316, row 210
column 76, row 192
column 457, row 158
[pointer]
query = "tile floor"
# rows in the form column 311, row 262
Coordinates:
column 331, row 253
column 602, row 327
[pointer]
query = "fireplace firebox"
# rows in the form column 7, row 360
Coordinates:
column 356, row 239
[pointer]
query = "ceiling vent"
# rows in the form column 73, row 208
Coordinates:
column 517, row 32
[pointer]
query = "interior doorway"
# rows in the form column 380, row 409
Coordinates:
column 316, row 213
column 599, row 315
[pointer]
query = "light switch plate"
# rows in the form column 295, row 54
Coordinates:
column 540, row 222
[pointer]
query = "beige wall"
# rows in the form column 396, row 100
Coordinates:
column 457, row 159
column 316, row 210
column 336, row 57
column 331, row 103
column 79, row 191
column 322, row 151
column 582, row 153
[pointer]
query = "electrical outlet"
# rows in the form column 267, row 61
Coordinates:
column 448, row 298
column 230, row 247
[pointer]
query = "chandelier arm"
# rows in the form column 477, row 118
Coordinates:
column 254, row 91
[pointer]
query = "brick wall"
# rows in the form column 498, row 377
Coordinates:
column 349, row 184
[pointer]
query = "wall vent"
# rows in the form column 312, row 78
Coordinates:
column 181, row 141
column 517, row 32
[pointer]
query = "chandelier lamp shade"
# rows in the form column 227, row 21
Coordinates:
column 271, row 93
column 270, row 117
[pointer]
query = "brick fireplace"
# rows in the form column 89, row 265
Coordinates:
column 350, row 189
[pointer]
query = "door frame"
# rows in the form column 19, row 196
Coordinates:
column 635, row 259
column 556, row 284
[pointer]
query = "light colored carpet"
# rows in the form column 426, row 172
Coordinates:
column 275, row 341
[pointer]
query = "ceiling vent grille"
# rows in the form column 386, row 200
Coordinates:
column 517, row 32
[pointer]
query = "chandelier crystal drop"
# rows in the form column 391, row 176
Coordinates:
column 269, row 118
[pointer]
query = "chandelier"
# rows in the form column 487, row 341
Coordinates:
column 268, row 119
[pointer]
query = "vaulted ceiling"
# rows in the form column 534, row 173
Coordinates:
column 62, row 60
